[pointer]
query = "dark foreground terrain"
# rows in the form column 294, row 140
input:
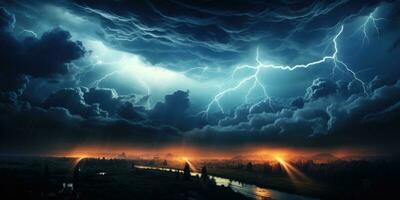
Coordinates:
column 95, row 178
column 343, row 179
column 67, row 178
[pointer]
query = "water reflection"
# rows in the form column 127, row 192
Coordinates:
column 248, row 190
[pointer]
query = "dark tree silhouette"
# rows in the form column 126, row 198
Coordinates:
column 266, row 169
column 76, row 177
column 249, row 166
column 45, row 180
column 186, row 172
column 204, row 173
column 165, row 163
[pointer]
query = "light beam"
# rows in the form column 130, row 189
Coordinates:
column 293, row 173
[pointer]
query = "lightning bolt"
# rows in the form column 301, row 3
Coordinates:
column 101, row 79
column 138, row 30
column 255, row 80
column 29, row 32
column 196, row 69
column 97, row 82
column 371, row 19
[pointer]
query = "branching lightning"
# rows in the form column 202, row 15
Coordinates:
column 108, row 75
column 371, row 19
column 251, row 82
column 104, row 77
column 254, row 78
column 29, row 32
column 202, row 70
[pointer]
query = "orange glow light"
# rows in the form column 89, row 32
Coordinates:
column 192, row 167
column 293, row 172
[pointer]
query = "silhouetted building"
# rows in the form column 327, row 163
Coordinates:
column 165, row 163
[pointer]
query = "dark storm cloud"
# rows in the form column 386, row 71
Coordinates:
column 380, row 81
column 329, row 118
column 297, row 102
column 73, row 116
column 320, row 88
column 51, row 53
column 7, row 20
column 240, row 115
column 262, row 106
column 109, row 100
column 15, row 84
column 37, row 57
column 82, row 116
column 94, row 102
column 218, row 33
column 34, row 129
column 31, row 57
column 395, row 45
column 73, row 100
column 176, row 33
column 173, row 110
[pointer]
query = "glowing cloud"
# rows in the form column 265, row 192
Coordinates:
column 130, row 67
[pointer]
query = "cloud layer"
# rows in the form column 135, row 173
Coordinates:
column 219, row 33
column 328, row 112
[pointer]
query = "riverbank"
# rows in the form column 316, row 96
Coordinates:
column 248, row 190
column 342, row 179
column 284, row 184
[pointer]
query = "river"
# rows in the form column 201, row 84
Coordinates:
column 248, row 190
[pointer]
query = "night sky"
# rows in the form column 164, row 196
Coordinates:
column 219, row 74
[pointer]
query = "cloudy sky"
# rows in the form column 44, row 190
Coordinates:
column 222, row 74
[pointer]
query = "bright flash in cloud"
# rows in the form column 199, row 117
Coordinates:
column 131, row 68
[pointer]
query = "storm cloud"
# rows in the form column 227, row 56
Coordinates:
column 154, row 73
column 37, row 57
column 203, row 32
column 330, row 119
